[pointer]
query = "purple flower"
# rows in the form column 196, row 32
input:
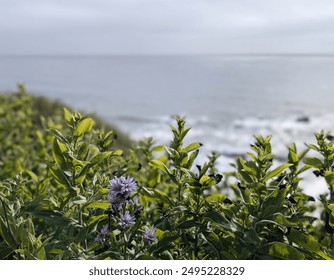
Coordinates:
column 135, row 201
column 101, row 237
column 149, row 235
column 126, row 220
column 120, row 190
column 105, row 230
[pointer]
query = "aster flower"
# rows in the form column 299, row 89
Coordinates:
column 126, row 220
column 120, row 190
column 149, row 235
column 135, row 201
column 101, row 237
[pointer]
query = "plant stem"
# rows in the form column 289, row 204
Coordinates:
column 179, row 185
column 124, row 247
column 331, row 200
column 80, row 216
column 7, row 222
column 196, row 219
column 179, row 214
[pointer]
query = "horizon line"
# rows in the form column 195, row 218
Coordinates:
column 169, row 54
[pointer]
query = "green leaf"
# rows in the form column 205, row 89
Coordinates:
column 82, row 174
column 191, row 159
column 303, row 154
column 303, row 169
column 52, row 216
column 204, row 179
column 60, row 176
column 68, row 116
column 187, row 224
column 251, row 236
column 178, row 209
column 103, row 191
column 159, row 149
column 307, row 242
column 160, row 165
column 314, row 162
column 84, row 126
column 146, row 257
column 56, row 133
column 163, row 197
column 331, row 216
column 6, row 234
column 284, row 251
column 98, row 205
column 278, row 170
column 153, row 178
column 58, row 156
column 248, row 166
column 192, row 147
column 147, row 192
column 215, row 243
column 281, row 220
column 100, row 157
column 83, row 150
column 32, row 175
column 41, row 255
column 95, row 219
column 79, row 199
column 312, row 147
column 81, row 235
column 267, row 211
column 329, row 176
column 216, row 198
column 117, row 153
column 293, row 158
column 246, row 195
column 5, row 250
column 220, row 220
column 246, row 177
column 166, row 243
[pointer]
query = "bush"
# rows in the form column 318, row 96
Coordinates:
column 68, row 191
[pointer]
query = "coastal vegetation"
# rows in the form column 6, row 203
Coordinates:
column 74, row 187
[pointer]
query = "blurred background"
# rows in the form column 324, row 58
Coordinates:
column 234, row 68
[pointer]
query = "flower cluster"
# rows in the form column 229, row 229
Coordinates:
column 149, row 235
column 126, row 220
column 124, row 209
column 101, row 237
column 120, row 190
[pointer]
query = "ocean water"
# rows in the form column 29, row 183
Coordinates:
column 226, row 99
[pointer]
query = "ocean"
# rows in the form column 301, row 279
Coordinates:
column 226, row 99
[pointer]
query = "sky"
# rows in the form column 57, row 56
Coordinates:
column 166, row 26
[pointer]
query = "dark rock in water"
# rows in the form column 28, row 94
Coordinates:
column 304, row 119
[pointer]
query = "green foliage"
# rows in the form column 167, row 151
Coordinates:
column 324, row 168
column 66, row 192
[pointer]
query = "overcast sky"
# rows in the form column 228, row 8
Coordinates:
column 166, row 26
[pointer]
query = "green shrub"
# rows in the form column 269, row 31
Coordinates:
column 70, row 190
